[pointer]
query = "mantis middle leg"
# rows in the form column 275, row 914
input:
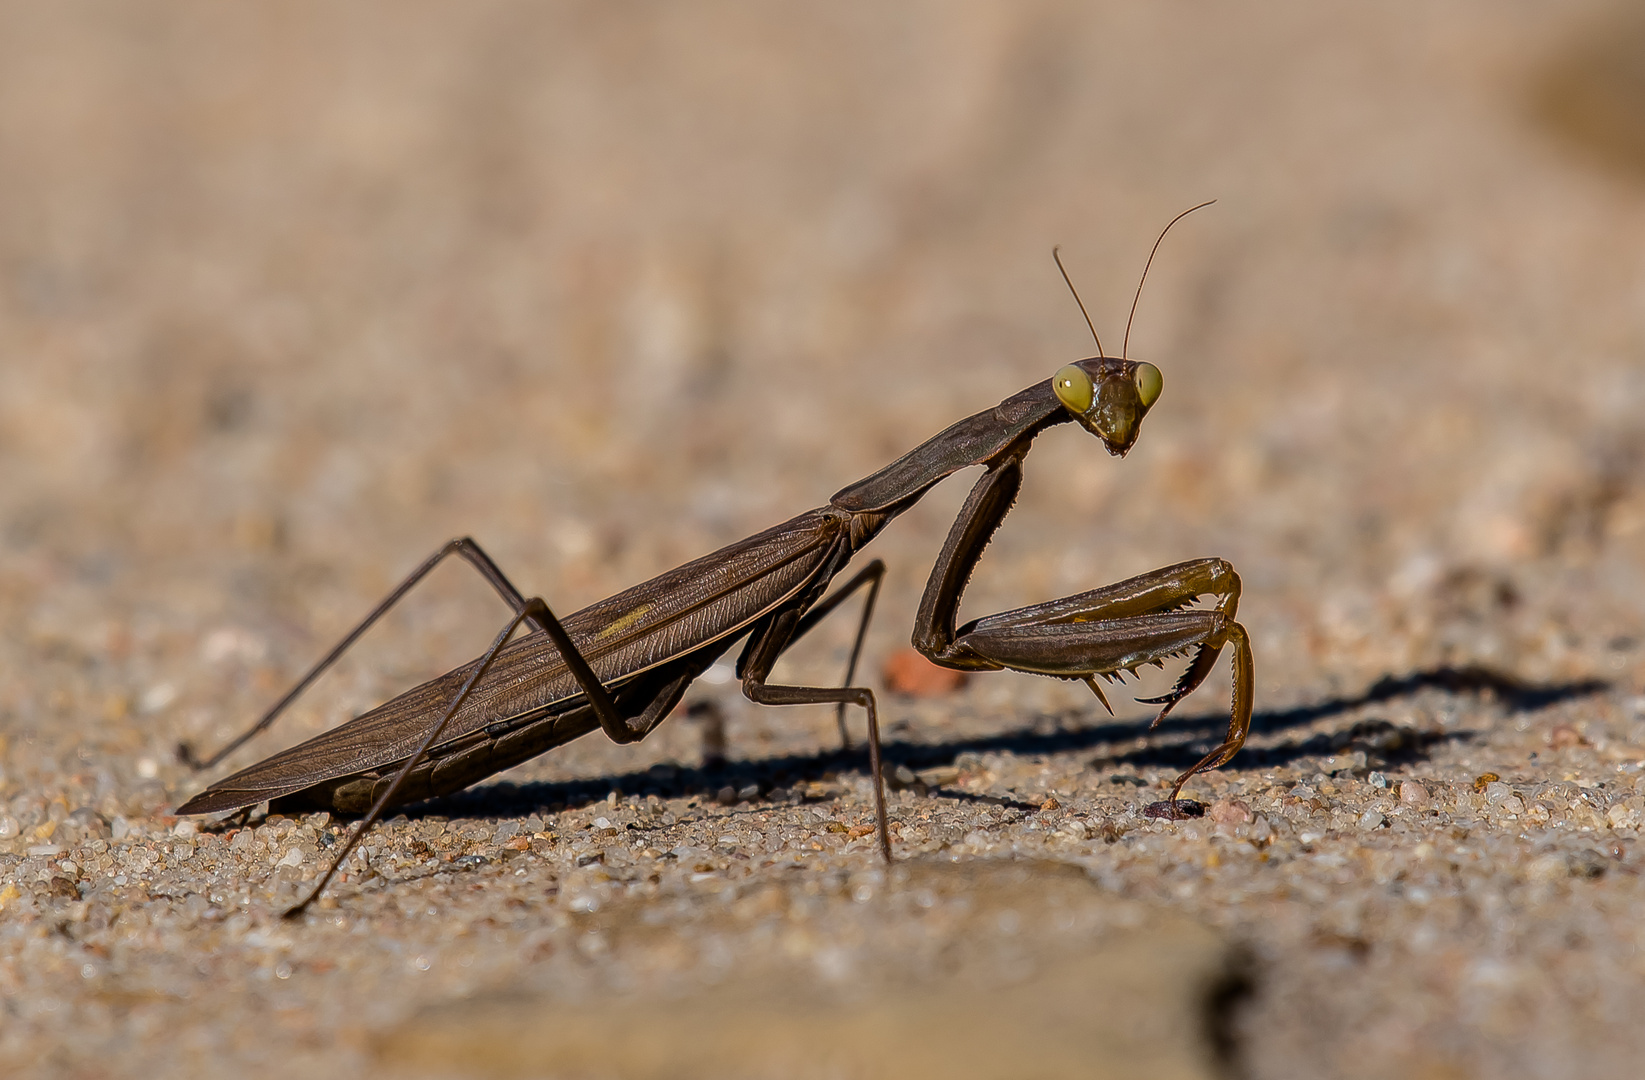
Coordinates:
column 769, row 642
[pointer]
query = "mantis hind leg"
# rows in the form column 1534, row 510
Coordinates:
column 534, row 610
column 463, row 546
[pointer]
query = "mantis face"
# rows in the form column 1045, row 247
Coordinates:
column 1109, row 397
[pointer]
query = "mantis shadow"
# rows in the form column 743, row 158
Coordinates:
column 1179, row 742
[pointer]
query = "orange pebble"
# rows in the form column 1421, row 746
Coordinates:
column 907, row 672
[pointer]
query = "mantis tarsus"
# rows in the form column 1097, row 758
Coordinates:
column 622, row 664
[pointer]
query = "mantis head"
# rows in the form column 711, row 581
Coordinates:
column 1109, row 397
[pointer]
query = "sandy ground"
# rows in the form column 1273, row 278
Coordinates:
column 291, row 294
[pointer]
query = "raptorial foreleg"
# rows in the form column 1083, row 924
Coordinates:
column 1117, row 628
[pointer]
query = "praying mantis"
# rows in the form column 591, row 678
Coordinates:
column 621, row 665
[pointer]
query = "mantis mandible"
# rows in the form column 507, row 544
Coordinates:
column 621, row 665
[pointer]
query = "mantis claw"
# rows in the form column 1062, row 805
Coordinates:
column 1091, row 681
column 1174, row 810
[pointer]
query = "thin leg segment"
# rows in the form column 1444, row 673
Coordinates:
column 465, row 546
column 771, row 641
column 872, row 574
column 535, row 612
column 533, row 609
column 766, row 694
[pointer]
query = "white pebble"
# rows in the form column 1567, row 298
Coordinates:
column 156, row 698
column 1414, row 795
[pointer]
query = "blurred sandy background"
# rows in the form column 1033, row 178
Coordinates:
column 292, row 293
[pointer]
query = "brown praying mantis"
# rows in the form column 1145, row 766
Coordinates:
column 621, row 665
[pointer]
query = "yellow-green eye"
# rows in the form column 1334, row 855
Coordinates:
column 1074, row 389
column 1149, row 383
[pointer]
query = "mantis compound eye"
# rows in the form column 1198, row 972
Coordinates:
column 1075, row 390
column 1149, row 384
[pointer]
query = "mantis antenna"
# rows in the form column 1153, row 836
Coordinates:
column 1126, row 344
column 1055, row 254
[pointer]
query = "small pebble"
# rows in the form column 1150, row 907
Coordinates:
column 1623, row 816
column 1371, row 819
column 1414, row 795
column 1585, row 863
column 901, row 777
column 1547, row 868
column 1564, row 735
column 1230, row 812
